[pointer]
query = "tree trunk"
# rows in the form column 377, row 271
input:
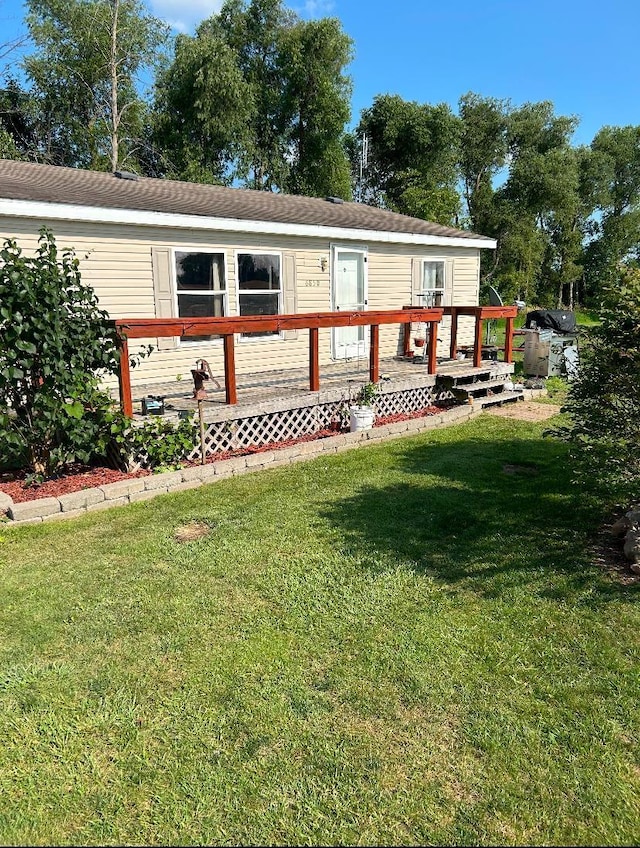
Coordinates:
column 113, row 68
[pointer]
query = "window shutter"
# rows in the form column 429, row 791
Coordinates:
column 290, row 291
column 416, row 282
column 448, row 282
column 161, row 263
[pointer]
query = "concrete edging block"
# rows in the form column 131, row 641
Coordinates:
column 123, row 488
column 162, row 481
column 108, row 504
column 148, row 494
column 34, row 509
column 80, row 500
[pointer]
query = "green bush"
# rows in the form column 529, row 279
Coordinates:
column 55, row 343
column 604, row 399
column 162, row 444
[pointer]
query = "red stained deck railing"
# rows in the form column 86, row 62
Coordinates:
column 144, row 328
column 481, row 314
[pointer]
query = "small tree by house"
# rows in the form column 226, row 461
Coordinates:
column 55, row 343
column 604, row 400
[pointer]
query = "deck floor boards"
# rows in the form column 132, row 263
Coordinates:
column 264, row 387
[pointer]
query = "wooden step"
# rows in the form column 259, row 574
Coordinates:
column 499, row 399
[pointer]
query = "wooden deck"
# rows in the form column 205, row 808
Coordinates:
column 276, row 390
column 229, row 327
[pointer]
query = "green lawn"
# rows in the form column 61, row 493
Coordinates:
column 400, row 644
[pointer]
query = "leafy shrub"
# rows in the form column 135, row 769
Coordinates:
column 366, row 394
column 55, row 342
column 162, row 444
column 604, row 399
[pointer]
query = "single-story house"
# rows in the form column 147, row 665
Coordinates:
column 162, row 248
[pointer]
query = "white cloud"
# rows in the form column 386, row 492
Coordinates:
column 317, row 8
column 184, row 15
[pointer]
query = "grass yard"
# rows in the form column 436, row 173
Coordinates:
column 401, row 644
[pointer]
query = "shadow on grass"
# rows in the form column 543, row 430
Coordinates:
column 487, row 515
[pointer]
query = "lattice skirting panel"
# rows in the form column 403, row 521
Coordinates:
column 273, row 427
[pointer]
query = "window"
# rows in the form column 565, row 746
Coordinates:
column 259, row 286
column 432, row 283
column 200, row 287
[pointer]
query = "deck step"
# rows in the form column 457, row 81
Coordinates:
column 473, row 380
column 499, row 399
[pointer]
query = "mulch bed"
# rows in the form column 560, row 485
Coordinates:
column 79, row 477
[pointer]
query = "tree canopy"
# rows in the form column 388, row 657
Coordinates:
column 260, row 97
column 83, row 72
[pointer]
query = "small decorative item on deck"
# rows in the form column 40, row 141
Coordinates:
column 152, row 405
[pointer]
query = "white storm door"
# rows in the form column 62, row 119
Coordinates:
column 349, row 294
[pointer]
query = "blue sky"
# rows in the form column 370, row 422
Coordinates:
column 583, row 56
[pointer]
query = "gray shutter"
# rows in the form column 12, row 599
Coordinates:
column 448, row 282
column 290, row 291
column 161, row 262
column 416, row 282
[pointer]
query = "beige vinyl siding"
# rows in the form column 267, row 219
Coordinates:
column 390, row 274
column 117, row 261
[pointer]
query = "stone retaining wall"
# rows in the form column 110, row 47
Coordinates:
column 145, row 488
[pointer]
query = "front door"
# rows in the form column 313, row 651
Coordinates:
column 349, row 294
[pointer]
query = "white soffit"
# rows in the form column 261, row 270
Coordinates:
column 142, row 218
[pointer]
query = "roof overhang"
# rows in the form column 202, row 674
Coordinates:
column 142, row 218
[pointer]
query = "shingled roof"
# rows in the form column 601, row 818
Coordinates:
column 28, row 181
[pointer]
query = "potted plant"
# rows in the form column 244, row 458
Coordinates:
column 362, row 413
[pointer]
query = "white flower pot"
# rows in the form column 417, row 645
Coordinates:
column 361, row 418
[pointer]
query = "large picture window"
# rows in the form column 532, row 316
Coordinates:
column 259, row 286
column 433, row 285
column 200, row 287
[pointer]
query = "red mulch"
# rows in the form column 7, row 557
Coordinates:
column 77, row 478
column 80, row 477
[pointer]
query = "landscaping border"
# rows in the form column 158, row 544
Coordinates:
column 145, row 488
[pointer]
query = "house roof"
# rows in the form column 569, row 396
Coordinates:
column 49, row 184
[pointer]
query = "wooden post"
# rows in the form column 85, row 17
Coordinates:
column 230, row 369
column 374, row 354
column 406, row 339
column 124, row 378
column 453, row 347
column 508, row 341
column 433, row 346
column 477, row 347
column 314, row 360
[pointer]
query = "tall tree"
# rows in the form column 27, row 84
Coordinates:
column 259, row 96
column 617, row 232
column 19, row 124
column 541, row 185
column 84, row 71
column 483, row 154
column 316, row 102
column 412, row 158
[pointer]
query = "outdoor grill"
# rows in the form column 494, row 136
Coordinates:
column 551, row 343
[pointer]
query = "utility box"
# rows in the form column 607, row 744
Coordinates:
column 544, row 354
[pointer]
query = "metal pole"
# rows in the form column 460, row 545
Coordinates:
column 202, row 445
